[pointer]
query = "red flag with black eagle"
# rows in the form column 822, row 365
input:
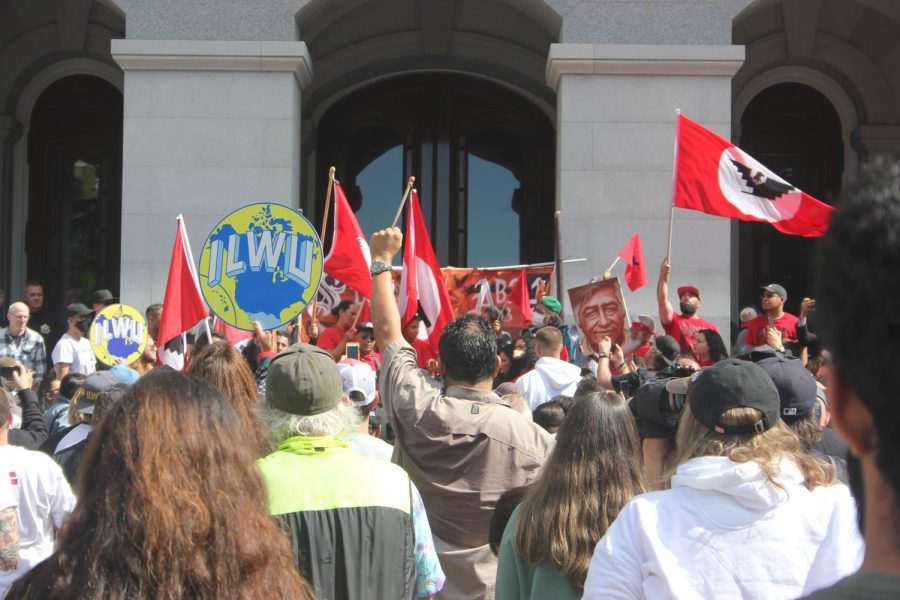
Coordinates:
column 518, row 296
column 349, row 259
column 183, row 305
column 633, row 255
column 716, row 177
column 422, row 287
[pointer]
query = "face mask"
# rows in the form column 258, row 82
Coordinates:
column 688, row 309
column 84, row 326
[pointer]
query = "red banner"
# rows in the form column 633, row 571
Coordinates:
column 471, row 291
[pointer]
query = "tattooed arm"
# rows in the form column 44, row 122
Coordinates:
column 9, row 538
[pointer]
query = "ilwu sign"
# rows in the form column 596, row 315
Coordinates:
column 263, row 262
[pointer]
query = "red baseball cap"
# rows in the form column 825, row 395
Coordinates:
column 688, row 289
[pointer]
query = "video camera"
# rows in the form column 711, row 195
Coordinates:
column 653, row 404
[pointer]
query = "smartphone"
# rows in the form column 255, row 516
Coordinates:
column 771, row 322
column 353, row 350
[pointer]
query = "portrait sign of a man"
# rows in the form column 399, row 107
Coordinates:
column 599, row 309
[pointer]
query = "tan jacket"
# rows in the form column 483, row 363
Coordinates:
column 462, row 448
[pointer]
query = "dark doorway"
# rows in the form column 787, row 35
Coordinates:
column 794, row 130
column 75, row 188
column 483, row 158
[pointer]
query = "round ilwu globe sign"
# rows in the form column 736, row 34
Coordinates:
column 262, row 262
column 118, row 334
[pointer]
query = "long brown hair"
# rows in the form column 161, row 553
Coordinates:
column 170, row 505
column 694, row 439
column 224, row 367
column 593, row 471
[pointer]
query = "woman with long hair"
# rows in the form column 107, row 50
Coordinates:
column 593, row 471
column 224, row 367
column 749, row 514
column 170, row 505
column 709, row 348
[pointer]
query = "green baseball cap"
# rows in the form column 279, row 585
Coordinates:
column 551, row 303
column 303, row 380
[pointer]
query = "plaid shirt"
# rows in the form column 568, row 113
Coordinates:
column 29, row 350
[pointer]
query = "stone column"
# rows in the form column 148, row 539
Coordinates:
column 13, row 238
column 209, row 126
column 615, row 146
column 872, row 140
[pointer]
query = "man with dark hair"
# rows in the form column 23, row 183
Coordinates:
column 551, row 376
column 44, row 321
column 683, row 327
column 73, row 352
column 857, row 282
column 461, row 444
column 772, row 297
column 56, row 417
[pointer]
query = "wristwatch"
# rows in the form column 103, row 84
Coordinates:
column 378, row 267
column 602, row 355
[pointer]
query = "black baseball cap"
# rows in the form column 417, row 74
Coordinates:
column 733, row 383
column 796, row 386
column 77, row 310
column 774, row 288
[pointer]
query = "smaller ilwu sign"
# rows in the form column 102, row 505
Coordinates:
column 118, row 335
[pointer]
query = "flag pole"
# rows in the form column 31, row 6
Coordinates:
column 328, row 189
column 409, row 185
column 615, row 262
column 558, row 259
column 358, row 313
column 674, row 179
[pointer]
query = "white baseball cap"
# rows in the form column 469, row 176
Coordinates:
column 357, row 376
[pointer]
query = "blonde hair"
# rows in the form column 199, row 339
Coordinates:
column 694, row 440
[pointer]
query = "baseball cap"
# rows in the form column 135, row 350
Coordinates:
column 365, row 325
column 357, row 376
column 796, row 386
column 644, row 323
column 124, row 374
column 93, row 384
column 552, row 303
column 77, row 310
column 303, row 380
column 731, row 383
column 688, row 289
column 774, row 288
column 668, row 347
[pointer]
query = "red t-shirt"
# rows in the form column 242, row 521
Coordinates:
column 685, row 330
column 756, row 329
column 373, row 359
column 423, row 353
column 331, row 338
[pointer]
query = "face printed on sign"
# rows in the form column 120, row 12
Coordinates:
column 755, row 190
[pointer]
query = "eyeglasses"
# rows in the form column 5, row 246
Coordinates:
column 366, row 336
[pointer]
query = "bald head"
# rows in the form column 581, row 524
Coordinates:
column 18, row 318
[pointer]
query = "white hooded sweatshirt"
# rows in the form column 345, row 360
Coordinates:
column 550, row 377
column 724, row 531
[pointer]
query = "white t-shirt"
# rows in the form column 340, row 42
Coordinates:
column 369, row 445
column 77, row 353
column 45, row 500
column 7, row 494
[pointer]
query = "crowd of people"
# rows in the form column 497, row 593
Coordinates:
column 363, row 464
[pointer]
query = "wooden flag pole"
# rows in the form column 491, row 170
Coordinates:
column 328, row 189
column 558, row 261
column 409, row 185
column 358, row 313
column 674, row 180
column 615, row 262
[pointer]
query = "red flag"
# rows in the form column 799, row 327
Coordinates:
column 718, row 178
column 421, row 284
column 633, row 255
column 518, row 296
column 183, row 306
column 349, row 259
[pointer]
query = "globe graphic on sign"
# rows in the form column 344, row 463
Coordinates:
column 263, row 262
column 121, row 347
column 118, row 334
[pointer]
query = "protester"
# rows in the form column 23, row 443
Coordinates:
column 757, row 516
column 41, row 492
column 709, row 348
column 592, row 472
column 550, row 416
column 22, row 344
column 551, row 376
column 222, row 366
column 773, row 317
column 56, row 417
column 549, row 310
column 358, row 384
column 350, row 517
column 684, row 326
column 747, row 314
column 9, row 526
column 860, row 261
column 283, row 340
column 80, row 413
column 460, row 444
column 365, row 335
column 335, row 338
column 424, row 354
column 512, row 365
column 41, row 319
column 640, row 337
column 73, row 350
column 170, row 453
column 27, row 428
